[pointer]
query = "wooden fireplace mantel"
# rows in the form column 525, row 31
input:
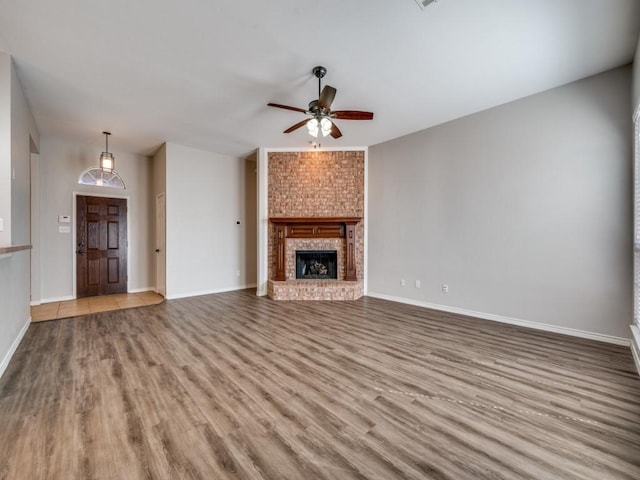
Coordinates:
column 316, row 227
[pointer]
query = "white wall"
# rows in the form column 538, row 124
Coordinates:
column 17, row 133
column 205, row 198
column 5, row 147
column 636, row 78
column 61, row 165
column 524, row 210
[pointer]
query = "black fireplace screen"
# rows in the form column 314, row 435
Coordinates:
column 316, row 264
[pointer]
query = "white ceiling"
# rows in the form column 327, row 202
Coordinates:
column 200, row 72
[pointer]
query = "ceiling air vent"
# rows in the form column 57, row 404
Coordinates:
column 424, row 3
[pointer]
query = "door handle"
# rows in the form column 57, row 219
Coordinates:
column 157, row 250
column 80, row 252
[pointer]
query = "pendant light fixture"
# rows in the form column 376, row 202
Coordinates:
column 107, row 160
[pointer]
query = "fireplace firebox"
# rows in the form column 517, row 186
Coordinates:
column 316, row 264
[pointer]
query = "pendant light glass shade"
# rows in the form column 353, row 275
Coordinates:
column 325, row 126
column 107, row 160
column 313, row 127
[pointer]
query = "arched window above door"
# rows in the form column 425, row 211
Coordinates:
column 100, row 178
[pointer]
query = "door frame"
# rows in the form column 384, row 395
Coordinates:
column 74, row 272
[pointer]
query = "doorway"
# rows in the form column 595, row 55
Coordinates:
column 161, row 242
column 101, row 246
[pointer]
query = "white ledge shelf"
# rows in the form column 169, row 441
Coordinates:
column 14, row 248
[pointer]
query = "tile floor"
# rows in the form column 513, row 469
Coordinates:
column 83, row 306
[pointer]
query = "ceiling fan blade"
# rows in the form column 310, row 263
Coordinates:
column 335, row 131
column 286, row 107
column 326, row 97
column 296, row 126
column 352, row 115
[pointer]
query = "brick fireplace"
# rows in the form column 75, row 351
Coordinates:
column 315, row 203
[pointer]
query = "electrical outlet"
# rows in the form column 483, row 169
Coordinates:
column 445, row 288
column 402, row 282
column 418, row 284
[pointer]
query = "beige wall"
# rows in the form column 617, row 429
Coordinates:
column 24, row 136
column 524, row 210
column 160, row 170
column 250, row 257
column 206, row 197
column 61, row 165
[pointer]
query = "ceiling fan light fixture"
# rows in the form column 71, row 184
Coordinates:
column 325, row 126
column 313, row 126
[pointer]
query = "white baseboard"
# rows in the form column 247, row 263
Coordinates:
column 209, row 292
column 635, row 345
column 35, row 303
column 57, row 299
column 14, row 347
column 512, row 321
column 140, row 290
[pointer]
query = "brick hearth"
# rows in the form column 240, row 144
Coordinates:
column 315, row 290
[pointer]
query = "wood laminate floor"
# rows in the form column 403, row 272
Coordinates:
column 232, row 386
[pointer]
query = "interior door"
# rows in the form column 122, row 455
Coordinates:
column 161, row 255
column 101, row 241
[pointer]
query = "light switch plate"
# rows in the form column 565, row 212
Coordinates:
column 64, row 229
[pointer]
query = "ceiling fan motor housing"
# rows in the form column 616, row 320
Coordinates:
column 319, row 71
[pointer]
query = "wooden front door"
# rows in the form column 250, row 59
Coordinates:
column 101, row 241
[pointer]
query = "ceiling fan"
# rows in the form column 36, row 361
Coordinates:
column 319, row 110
